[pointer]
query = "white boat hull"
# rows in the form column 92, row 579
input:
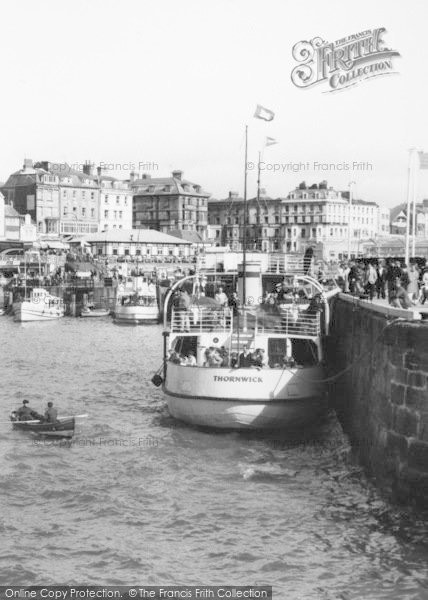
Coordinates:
column 136, row 314
column 96, row 312
column 245, row 398
column 30, row 311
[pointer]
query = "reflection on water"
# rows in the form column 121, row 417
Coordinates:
column 138, row 498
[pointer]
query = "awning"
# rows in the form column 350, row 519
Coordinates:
column 54, row 245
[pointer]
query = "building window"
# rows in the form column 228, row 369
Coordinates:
column 75, row 209
column 114, row 252
column 92, row 195
column 92, row 212
column 74, row 193
column 106, row 214
column 65, row 211
column 126, row 251
column 83, row 211
column 117, row 199
column 106, row 199
column 120, row 214
column 64, row 193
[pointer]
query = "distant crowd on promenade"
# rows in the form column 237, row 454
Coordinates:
column 402, row 285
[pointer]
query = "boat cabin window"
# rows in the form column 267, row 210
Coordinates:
column 302, row 352
column 185, row 345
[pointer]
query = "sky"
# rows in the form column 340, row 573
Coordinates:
column 171, row 85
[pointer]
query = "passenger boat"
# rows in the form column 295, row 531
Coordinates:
column 63, row 427
column 40, row 306
column 139, row 305
column 91, row 312
column 286, row 390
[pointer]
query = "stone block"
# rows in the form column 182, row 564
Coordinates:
column 400, row 375
column 416, row 379
column 418, row 455
column 417, row 399
column 398, row 393
column 397, row 355
column 406, row 422
column 396, row 444
column 416, row 482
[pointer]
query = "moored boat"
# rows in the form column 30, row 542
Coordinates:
column 138, row 305
column 40, row 306
column 271, row 375
column 91, row 312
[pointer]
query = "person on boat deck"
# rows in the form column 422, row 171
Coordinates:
column 24, row 412
column 245, row 359
column 258, row 358
column 191, row 359
column 221, row 297
column 234, row 360
column 51, row 413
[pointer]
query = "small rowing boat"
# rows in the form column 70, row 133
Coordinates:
column 94, row 312
column 63, row 427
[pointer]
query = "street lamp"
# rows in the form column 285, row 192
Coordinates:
column 351, row 183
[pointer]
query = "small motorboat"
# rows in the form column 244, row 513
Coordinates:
column 91, row 311
column 63, row 427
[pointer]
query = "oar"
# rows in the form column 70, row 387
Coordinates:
column 38, row 420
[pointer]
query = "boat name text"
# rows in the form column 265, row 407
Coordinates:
column 233, row 379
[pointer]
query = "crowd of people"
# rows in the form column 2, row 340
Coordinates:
column 221, row 357
column 400, row 285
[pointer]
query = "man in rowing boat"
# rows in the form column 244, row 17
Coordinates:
column 51, row 413
column 24, row 412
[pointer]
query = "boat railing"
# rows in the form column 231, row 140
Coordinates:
column 198, row 320
column 290, row 323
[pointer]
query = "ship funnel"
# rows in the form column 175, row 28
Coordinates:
column 253, row 283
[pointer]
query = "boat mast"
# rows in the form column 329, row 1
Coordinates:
column 244, row 243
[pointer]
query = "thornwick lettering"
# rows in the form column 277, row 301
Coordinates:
column 233, row 379
column 342, row 63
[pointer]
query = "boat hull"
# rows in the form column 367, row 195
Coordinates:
column 60, row 429
column 30, row 311
column 265, row 399
column 136, row 314
column 96, row 312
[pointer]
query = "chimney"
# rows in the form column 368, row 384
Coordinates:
column 132, row 176
column 88, row 168
column 145, row 176
column 177, row 175
column 99, row 171
column 233, row 195
column 28, row 164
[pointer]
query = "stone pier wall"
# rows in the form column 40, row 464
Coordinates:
column 382, row 397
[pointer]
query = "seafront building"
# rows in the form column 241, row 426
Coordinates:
column 318, row 215
column 168, row 203
column 59, row 199
column 138, row 243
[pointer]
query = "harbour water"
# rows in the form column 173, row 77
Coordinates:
column 137, row 498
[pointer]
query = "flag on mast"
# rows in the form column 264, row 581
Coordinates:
column 423, row 160
column 264, row 113
column 270, row 141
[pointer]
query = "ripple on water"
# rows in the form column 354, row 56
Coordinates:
column 138, row 497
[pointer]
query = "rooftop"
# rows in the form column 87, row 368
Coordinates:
column 167, row 185
column 140, row 236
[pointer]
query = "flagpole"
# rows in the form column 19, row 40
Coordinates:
column 244, row 249
column 414, row 189
column 409, row 178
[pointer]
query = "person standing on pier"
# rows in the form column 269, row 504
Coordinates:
column 413, row 288
column 381, row 280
